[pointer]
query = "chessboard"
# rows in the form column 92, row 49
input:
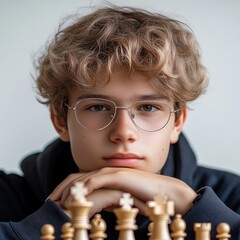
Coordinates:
column 160, row 210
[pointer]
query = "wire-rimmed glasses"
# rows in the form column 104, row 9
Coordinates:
column 98, row 113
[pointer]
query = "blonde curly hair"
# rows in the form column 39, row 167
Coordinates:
column 163, row 49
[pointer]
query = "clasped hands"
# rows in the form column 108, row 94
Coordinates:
column 106, row 186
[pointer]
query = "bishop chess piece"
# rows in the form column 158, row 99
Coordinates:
column 178, row 228
column 98, row 228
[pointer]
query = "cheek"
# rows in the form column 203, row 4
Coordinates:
column 159, row 149
column 86, row 147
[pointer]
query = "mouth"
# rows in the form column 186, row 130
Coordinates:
column 123, row 159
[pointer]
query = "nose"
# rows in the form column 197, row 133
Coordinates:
column 122, row 128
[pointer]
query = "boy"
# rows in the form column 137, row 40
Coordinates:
column 118, row 82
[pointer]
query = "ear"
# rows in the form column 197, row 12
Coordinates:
column 178, row 125
column 60, row 125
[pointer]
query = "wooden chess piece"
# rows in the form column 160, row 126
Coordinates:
column 47, row 232
column 202, row 231
column 150, row 229
column 223, row 230
column 98, row 228
column 126, row 216
column 67, row 231
column 79, row 209
column 178, row 228
column 159, row 212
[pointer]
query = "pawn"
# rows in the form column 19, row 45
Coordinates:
column 223, row 230
column 98, row 228
column 67, row 231
column 178, row 228
column 47, row 232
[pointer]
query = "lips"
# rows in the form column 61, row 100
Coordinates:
column 126, row 156
column 129, row 160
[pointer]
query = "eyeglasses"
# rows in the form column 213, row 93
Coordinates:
column 98, row 114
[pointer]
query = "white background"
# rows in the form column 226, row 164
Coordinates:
column 213, row 127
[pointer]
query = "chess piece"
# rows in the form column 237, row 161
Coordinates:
column 47, row 232
column 79, row 209
column 150, row 229
column 223, row 230
column 126, row 216
column 159, row 212
column 178, row 228
column 202, row 231
column 98, row 228
column 67, row 231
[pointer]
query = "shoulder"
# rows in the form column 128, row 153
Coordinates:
column 225, row 184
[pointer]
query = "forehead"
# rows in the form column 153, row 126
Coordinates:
column 122, row 86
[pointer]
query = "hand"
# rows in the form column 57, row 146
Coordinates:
column 106, row 199
column 114, row 181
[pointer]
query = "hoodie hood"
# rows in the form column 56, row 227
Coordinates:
column 45, row 170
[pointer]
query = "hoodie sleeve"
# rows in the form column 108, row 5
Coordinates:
column 30, row 227
column 209, row 208
column 16, row 198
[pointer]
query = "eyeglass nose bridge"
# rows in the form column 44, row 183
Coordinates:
column 129, row 108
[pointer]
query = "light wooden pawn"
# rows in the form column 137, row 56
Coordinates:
column 178, row 228
column 202, row 231
column 47, row 232
column 98, row 228
column 67, row 231
column 223, row 230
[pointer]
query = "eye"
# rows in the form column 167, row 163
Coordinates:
column 97, row 108
column 147, row 108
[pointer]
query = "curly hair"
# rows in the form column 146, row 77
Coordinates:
column 163, row 49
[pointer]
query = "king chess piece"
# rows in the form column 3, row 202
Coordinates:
column 79, row 209
column 126, row 216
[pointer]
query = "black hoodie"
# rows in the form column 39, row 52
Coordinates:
column 42, row 172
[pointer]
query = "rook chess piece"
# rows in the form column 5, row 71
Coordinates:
column 202, row 231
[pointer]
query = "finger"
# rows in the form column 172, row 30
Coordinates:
column 132, row 181
column 104, row 199
column 67, row 183
column 140, row 205
column 57, row 192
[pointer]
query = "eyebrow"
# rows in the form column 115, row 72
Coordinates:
column 84, row 96
column 135, row 98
